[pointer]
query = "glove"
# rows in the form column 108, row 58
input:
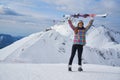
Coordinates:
column 92, row 16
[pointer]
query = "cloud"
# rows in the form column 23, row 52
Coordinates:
column 21, row 15
column 95, row 6
column 21, row 20
column 90, row 6
column 7, row 11
column 38, row 13
column 9, row 15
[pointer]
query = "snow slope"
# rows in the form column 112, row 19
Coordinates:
column 102, row 37
column 57, row 72
column 54, row 46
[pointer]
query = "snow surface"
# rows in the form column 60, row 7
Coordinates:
column 54, row 46
column 57, row 72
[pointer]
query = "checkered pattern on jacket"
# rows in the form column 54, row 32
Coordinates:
column 80, row 37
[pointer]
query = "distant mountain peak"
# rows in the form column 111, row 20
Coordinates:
column 6, row 39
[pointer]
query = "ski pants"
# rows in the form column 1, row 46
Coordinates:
column 79, row 48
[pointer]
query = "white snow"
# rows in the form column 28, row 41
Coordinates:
column 20, row 43
column 100, row 37
column 57, row 72
column 54, row 46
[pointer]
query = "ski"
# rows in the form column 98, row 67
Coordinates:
column 85, row 15
column 102, row 15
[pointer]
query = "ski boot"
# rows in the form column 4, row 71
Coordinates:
column 69, row 68
column 80, row 69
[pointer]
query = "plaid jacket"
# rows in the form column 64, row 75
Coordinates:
column 79, row 38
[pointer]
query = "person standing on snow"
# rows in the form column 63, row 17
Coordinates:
column 79, row 41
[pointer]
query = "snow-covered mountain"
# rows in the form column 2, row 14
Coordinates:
column 54, row 46
column 6, row 39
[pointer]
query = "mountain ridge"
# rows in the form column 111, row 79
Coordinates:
column 54, row 46
column 6, row 39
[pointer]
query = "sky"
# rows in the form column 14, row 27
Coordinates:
column 24, row 17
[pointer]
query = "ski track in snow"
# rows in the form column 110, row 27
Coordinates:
column 57, row 72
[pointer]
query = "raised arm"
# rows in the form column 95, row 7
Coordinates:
column 89, row 24
column 71, row 25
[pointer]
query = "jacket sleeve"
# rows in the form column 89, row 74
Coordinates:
column 71, row 25
column 89, row 25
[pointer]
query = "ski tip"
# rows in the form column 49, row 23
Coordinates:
column 106, row 14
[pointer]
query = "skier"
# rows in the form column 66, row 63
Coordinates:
column 79, row 41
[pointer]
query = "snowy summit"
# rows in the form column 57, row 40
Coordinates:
column 54, row 46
